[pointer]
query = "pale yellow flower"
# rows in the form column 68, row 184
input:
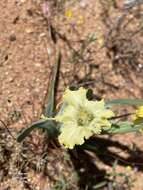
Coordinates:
column 138, row 117
column 80, row 20
column 129, row 168
column 69, row 14
column 139, row 112
column 81, row 118
column 101, row 41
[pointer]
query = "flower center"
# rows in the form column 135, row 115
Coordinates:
column 84, row 118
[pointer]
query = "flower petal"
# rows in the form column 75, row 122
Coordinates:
column 107, row 113
column 97, row 108
column 93, row 107
column 69, row 114
column 138, row 116
column 95, row 127
column 72, row 135
column 139, row 112
column 75, row 98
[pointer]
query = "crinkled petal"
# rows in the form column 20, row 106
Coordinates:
column 69, row 115
column 94, row 107
column 72, row 135
column 139, row 112
column 75, row 98
column 138, row 116
column 97, row 108
column 138, row 121
column 95, row 127
column 107, row 113
column 105, row 123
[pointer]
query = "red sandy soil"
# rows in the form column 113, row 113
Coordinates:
column 27, row 54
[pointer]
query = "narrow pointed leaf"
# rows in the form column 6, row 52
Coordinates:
column 125, row 128
column 50, row 126
column 132, row 102
column 100, row 185
column 51, row 96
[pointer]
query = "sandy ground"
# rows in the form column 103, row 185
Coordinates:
column 27, row 54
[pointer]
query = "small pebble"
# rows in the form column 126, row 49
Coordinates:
column 12, row 37
column 83, row 4
column 28, row 30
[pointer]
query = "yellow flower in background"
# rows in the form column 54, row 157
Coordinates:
column 81, row 118
column 80, row 20
column 129, row 168
column 138, row 117
column 139, row 112
column 101, row 41
column 69, row 14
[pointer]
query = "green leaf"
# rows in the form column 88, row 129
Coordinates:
column 100, row 185
column 50, row 126
column 131, row 102
column 124, row 127
column 51, row 96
